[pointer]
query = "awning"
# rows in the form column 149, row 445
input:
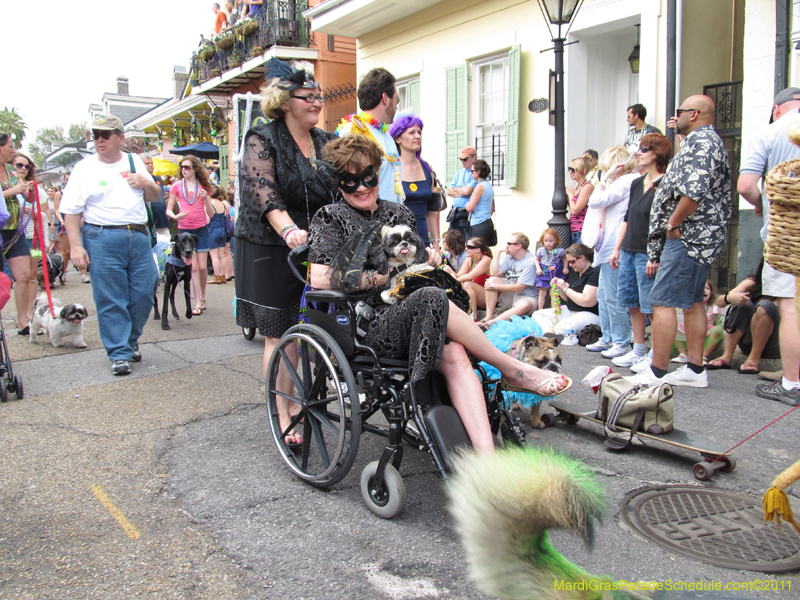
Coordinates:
column 200, row 150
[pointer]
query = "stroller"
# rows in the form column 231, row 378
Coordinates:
column 9, row 383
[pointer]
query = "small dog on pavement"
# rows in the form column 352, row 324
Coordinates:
column 540, row 352
column 67, row 322
column 178, row 268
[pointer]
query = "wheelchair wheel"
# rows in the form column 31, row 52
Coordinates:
column 385, row 498
column 325, row 391
column 249, row 333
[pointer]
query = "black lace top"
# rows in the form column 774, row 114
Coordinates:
column 274, row 173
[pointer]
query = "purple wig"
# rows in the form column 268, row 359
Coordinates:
column 404, row 122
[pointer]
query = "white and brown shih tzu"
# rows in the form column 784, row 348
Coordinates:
column 67, row 322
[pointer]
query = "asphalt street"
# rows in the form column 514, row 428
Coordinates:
column 165, row 484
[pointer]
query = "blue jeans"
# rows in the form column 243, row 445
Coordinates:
column 615, row 321
column 124, row 278
column 634, row 284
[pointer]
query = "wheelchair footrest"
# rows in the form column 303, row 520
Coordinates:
column 447, row 431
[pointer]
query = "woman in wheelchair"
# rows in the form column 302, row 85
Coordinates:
column 425, row 328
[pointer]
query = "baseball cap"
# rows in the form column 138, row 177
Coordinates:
column 466, row 151
column 787, row 95
column 107, row 123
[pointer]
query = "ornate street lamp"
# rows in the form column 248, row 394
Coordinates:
column 559, row 12
column 634, row 57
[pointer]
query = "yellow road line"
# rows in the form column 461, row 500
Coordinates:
column 126, row 525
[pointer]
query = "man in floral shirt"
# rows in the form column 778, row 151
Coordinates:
column 688, row 222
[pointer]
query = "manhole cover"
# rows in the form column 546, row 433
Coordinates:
column 712, row 526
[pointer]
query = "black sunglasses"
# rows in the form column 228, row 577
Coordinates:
column 105, row 134
column 184, row 167
column 473, row 247
column 683, row 110
column 467, row 158
column 350, row 182
column 644, row 149
column 571, row 170
column 22, row 166
column 311, row 99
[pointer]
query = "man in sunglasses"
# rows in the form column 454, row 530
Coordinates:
column 688, row 223
column 107, row 191
column 635, row 117
column 461, row 190
column 772, row 146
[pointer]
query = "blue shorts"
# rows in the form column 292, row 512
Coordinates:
column 633, row 287
column 203, row 241
column 680, row 281
column 19, row 248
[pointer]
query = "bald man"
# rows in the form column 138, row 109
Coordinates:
column 770, row 147
column 688, row 222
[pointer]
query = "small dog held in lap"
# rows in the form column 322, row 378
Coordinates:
column 67, row 322
column 178, row 268
column 409, row 269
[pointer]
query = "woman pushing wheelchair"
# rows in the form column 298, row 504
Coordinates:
column 425, row 328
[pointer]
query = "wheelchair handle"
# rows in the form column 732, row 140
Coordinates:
column 293, row 254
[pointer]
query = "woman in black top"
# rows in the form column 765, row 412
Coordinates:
column 283, row 186
column 630, row 253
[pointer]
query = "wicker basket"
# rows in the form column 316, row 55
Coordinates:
column 782, row 249
column 247, row 28
column 225, row 42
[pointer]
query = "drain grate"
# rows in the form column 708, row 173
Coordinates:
column 713, row 526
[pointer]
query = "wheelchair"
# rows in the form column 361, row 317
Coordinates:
column 340, row 384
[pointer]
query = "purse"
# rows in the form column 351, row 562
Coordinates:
column 634, row 406
column 230, row 229
column 151, row 224
column 438, row 196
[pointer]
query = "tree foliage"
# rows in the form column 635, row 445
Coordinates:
column 48, row 139
column 11, row 122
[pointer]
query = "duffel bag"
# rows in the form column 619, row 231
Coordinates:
column 634, row 406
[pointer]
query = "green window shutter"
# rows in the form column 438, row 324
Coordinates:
column 224, row 167
column 413, row 96
column 512, row 125
column 455, row 116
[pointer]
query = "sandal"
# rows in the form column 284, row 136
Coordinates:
column 717, row 363
column 296, row 435
column 749, row 369
column 201, row 306
column 545, row 389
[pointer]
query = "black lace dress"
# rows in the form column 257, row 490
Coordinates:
column 274, row 173
column 414, row 329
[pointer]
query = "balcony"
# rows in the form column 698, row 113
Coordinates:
column 279, row 23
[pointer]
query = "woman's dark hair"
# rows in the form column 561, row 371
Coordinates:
column 481, row 244
column 483, row 168
column 31, row 175
column 218, row 193
column 454, row 240
column 581, row 250
column 373, row 85
column 661, row 147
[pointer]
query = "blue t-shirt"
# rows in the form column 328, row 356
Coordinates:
column 521, row 271
column 386, row 186
column 462, row 179
column 483, row 211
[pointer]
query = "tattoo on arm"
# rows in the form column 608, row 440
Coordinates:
column 520, row 375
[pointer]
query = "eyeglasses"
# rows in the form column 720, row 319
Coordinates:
column 472, row 247
column 571, row 170
column 105, row 134
column 311, row 99
column 683, row 110
column 512, row 243
column 350, row 182
column 186, row 167
column 22, row 166
column 645, row 149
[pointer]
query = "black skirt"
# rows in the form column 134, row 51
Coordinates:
column 267, row 292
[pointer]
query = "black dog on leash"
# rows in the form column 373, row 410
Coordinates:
column 178, row 268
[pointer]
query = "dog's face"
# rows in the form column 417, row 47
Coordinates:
column 404, row 246
column 537, row 351
column 73, row 313
column 183, row 245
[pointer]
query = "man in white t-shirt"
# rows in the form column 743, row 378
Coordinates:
column 512, row 281
column 108, row 191
column 377, row 97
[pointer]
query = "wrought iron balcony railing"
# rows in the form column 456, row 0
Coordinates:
column 277, row 23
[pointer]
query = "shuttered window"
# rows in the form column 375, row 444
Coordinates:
column 455, row 116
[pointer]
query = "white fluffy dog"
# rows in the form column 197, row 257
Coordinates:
column 68, row 322
column 406, row 254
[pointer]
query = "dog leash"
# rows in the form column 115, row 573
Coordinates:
column 38, row 236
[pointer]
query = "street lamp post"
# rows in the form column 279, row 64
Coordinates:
column 559, row 12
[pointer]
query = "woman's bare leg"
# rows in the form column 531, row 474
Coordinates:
column 21, row 272
column 200, row 277
column 466, row 394
column 284, row 383
column 462, row 329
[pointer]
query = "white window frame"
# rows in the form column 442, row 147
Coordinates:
column 476, row 105
column 403, row 92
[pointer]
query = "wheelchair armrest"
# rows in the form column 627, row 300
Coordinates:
column 331, row 296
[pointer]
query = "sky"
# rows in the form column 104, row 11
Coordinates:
column 66, row 58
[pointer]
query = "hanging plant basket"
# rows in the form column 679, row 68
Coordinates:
column 206, row 53
column 246, row 28
column 256, row 51
column 234, row 62
column 214, row 73
column 226, row 42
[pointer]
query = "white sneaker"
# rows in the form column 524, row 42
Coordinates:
column 647, row 377
column 599, row 346
column 681, row 359
column 616, row 350
column 626, row 360
column 641, row 364
column 687, row 378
